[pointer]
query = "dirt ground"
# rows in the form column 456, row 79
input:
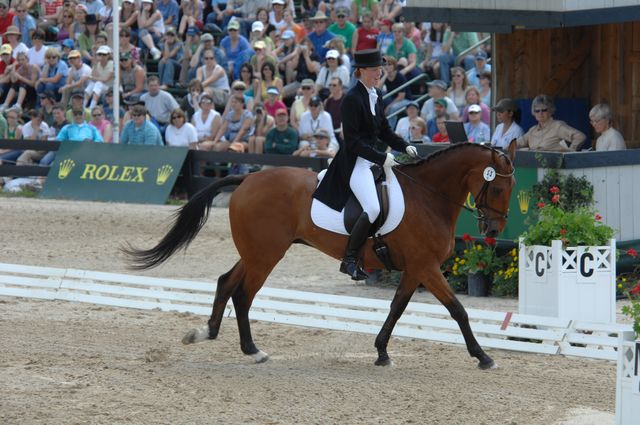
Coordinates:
column 72, row 363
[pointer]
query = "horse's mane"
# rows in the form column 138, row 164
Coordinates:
column 444, row 152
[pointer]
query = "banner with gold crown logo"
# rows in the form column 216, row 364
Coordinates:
column 117, row 173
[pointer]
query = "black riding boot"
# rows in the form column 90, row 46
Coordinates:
column 357, row 238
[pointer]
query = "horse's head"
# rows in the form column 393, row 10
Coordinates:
column 492, row 183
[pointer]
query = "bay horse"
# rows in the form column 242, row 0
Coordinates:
column 270, row 210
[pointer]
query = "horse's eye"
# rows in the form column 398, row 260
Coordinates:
column 496, row 190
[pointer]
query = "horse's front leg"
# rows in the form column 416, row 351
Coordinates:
column 439, row 287
column 400, row 300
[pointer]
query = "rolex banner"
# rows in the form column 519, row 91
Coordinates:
column 119, row 173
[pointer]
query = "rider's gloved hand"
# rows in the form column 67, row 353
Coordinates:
column 390, row 161
column 412, row 151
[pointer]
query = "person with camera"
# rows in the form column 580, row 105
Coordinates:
column 263, row 123
column 304, row 65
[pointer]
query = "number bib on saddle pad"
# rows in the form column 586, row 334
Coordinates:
column 333, row 221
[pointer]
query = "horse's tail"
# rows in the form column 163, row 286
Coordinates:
column 187, row 222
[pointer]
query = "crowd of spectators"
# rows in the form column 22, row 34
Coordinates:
column 249, row 76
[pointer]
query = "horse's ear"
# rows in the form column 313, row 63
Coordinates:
column 511, row 150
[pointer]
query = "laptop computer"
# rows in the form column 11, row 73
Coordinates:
column 456, row 132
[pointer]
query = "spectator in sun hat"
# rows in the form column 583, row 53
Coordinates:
column 6, row 59
column 343, row 27
column 6, row 16
column 273, row 102
column 236, row 47
column 25, row 23
column 477, row 131
column 101, row 76
column 480, row 66
column 331, row 68
column 320, row 34
column 13, row 36
column 284, row 52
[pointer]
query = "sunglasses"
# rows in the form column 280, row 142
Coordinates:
column 341, row 16
column 474, row 112
column 102, row 54
column 21, row 11
column 238, row 88
column 96, row 115
column 208, row 58
column 232, row 30
column 206, row 101
column 173, row 117
column 333, row 85
column 537, row 111
column 306, row 88
column 52, row 57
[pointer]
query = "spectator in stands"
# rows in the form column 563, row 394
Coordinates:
column 77, row 102
column 472, row 97
column 47, row 102
column 127, row 47
column 285, row 51
column 440, row 107
column 94, row 6
column 432, row 48
column 403, row 127
column 189, row 102
column 390, row 81
column 181, row 132
column 480, row 66
column 304, row 65
column 78, row 78
column 259, row 33
column 25, row 23
column 54, row 73
column 331, row 68
column 311, row 7
column 37, row 51
column 455, row 43
column 190, row 16
column 100, row 122
column 190, row 47
column 385, row 37
column 282, row 139
column 320, row 146
column 273, row 102
column 235, row 46
column 59, row 120
column 418, row 131
column 158, row 103
column 150, row 27
column 320, row 34
column 238, row 87
column 108, row 107
column 214, row 79
column 333, row 104
column 101, row 77
column 216, row 14
column 67, row 26
column 276, row 16
column 132, row 77
column 268, row 78
column 79, row 130
column 390, row 9
column 13, row 37
column 170, row 12
column 485, row 88
column 337, row 43
column 441, row 136
column 35, row 129
column 22, row 80
column 207, row 122
column 14, row 132
column 235, row 126
column 404, row 48
column 205, row 44
column 508, row 116
column 314, row 119
column 549, row 134
column 262, row 124
column 301, row 104
column 6, row 16
column 105, row 17
column 290, row 25
column 366, row 36
column 458, row 88
column 343, row 28
column 610, row 139
column 360, row 8
column 87, row 38
column 477, row 131
column 172, row 52
column 437, row 90
column 139, row 131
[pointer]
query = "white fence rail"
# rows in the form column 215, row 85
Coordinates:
column 535, row 334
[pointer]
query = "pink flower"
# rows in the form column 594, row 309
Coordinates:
column 540, row 204
column 554, row 189
column 490, row 241
column 598, row 217
column 468, row 238
column 563, row 231
column 555, row 199
column 632, row 252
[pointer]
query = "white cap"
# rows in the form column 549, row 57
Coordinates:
column 103, row 49
column 332, row 54
column 277, row 1
column 257, row 26
column 475, row 108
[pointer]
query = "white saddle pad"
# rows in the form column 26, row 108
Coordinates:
column 333, row 221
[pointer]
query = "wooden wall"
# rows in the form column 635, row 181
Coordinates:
column 600, row 63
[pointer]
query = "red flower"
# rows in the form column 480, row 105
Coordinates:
column 554, row 189
column 468, row 238
column 540, row 204
column 563, row 231
column 632, row 252
column 598, row 217
column 636, row 290
column 555, row 199
column 490, row 241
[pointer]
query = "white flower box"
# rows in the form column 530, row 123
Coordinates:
column 628, row 383
column 575, row 282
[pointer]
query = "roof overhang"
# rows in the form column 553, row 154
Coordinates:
column 506, row 21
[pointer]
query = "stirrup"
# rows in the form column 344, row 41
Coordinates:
column 350, row 267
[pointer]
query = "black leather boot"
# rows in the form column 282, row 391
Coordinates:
column 357, row 238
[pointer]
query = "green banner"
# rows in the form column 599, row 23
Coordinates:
column 520, row 208
column 120, row 173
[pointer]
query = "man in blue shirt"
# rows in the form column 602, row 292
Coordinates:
column 139, row 131
column 320, row 34
column 79, row 130
column 170, row 11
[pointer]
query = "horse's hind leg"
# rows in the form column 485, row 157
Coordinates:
column 439, row 287
column 227, row 284
column 400, row 300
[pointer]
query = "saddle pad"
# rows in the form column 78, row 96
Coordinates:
column 333, row 221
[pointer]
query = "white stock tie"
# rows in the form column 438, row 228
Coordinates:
column 373, row 98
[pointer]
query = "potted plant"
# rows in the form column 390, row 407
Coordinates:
column 505, row 278
column 478, row 261
column 567, row 264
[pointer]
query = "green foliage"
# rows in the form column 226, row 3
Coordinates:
column 457, row 281
column 576, row 192
column 630, row 286
column 477, row 257
column 633, row 311
column 505, row 279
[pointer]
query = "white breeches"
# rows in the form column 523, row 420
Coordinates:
column 363, row 186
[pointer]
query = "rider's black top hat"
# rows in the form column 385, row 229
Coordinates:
column 368, row 58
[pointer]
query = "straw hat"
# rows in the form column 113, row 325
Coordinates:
column 12, row 30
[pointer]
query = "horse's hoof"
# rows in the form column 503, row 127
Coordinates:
column 383, row 362
column 196, row 335
column 260, row 356
column 487, row 365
